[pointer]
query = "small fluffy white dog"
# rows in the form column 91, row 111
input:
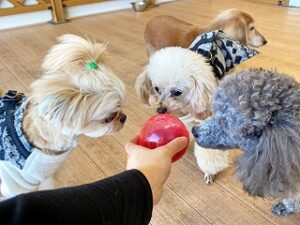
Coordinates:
column 177, row 79
column 76, row 95
column 182, row 80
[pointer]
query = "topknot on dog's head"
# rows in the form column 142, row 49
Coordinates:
column 72, row 51
column 261, row 110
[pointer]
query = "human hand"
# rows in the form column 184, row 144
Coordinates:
column 154, row 164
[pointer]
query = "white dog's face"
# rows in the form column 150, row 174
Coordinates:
column 177, row 79
column 169, row 98
column 108, row 117
column 90, row 104
column 74, row 99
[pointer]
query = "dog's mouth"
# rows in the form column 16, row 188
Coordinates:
column 121, row 121
column 117, row 127
column 252, row 45
column 122, row 118
column 162, row 110
column 170, row 110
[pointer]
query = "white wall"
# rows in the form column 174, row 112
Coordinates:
column 295, row 3
column 44, row 16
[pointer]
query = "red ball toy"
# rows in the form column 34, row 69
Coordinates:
column 160, row 130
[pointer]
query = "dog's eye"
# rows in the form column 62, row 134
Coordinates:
column 111, row 117
column 176, row 92
column 251, row 28
column 156, row 89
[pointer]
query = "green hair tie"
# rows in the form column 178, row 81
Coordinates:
column 91, row 65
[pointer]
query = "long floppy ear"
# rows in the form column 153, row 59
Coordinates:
column 143, row 86
column 272, row 166
column 57, row 101
column 237, row 29
column 201, row 92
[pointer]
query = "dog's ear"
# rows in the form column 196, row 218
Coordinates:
column 58, row 101
column 237, row 29
column 143, row 86
column 271, row 165
column 200, row 97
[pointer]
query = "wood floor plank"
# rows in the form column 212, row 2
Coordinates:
column 2, row 65
column 78, row 169
column 8, row 81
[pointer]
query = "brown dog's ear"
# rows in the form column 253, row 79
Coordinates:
column 237, row 29
column 272, row 165
column 143, row 86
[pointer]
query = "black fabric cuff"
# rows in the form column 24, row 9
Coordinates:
column 123, row 199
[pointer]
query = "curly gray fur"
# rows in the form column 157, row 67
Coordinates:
column 258, row 111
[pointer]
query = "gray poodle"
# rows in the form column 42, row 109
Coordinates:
column 259, row 111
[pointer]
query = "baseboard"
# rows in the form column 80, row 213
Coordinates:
column 26, row 19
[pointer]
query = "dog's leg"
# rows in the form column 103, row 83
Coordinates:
column 208, row 178
column 211, row 161
column 287, row 206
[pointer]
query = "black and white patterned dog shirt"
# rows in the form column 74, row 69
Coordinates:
column 221, row 51
column 14, row 147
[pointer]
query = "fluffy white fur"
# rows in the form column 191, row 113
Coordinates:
column 210, row 162
column 67, row 101
column 176, row 68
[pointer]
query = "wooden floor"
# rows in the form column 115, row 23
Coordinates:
column 186, row 200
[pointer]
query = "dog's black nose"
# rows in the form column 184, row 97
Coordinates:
column 123, row 118
column 265, row 42
column 194, row 132
column 162, row 110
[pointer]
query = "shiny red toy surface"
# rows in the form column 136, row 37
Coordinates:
column 160, row 130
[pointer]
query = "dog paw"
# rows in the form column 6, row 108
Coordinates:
column 280, row 209
column 208, row 179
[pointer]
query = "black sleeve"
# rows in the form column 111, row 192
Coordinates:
column 124, row 199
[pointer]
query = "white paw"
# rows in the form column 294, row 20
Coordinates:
column 208, row 179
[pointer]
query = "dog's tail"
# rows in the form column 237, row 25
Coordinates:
column 72, row 51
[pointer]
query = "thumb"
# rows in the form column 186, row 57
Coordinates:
column 130, row 147
column 175, row 146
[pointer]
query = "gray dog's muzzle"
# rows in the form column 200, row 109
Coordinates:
column 210, row 134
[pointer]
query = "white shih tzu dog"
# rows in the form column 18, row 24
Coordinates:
column 76, row 95
column 182, row 80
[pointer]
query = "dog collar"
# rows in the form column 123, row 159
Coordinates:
column 221, row 51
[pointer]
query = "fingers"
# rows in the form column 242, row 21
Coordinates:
column 131, row 145
column 170, row 149
column 134, row 140
column 175, row 146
